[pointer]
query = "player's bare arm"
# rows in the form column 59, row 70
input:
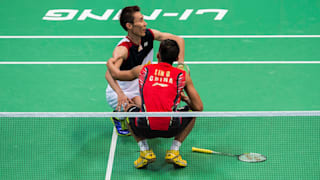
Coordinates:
column 115, row 62
column 194, row 100
column 119, row 54
column 127, row 75
column 160, row 36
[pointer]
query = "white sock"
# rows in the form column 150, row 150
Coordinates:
column 143, row 144
column 175, row 145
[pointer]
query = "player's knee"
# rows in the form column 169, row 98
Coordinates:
column 132, row 108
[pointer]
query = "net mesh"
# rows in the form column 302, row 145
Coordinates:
column 84, row 146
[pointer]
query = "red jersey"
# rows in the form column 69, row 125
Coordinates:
column 160, row 89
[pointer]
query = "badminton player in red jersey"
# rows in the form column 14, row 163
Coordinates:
column 160, row 90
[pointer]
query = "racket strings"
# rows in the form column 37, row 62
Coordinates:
column 252, row 157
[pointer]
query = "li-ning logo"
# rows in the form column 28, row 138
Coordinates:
column 70, row 14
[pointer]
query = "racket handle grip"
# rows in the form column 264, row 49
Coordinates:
column 202, row 150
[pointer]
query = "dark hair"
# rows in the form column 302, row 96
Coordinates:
column 126, row 15
column 169, row 51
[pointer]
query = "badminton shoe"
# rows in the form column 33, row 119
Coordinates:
column 146, row 157
column 121, row 126
column 174, row 157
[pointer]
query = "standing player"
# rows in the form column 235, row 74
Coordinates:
column 160, row 89
column 133, row 50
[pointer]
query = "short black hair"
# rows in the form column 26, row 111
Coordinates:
column 169, row 51
column 126, row 15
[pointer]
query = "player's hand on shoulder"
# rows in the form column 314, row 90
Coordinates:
column 138, row 68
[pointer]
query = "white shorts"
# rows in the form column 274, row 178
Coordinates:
column 112, row 97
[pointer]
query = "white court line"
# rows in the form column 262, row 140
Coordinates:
column 183, row 36
column 53, row 62
column 252, row 62
column 162, row 114
column 111, row 154
column 61, row 37
column 187, row 62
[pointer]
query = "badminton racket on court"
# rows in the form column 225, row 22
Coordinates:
column 245, row 157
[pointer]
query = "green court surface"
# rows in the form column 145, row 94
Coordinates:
column 78, row 148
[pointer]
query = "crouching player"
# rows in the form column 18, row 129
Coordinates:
column 160, row 90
